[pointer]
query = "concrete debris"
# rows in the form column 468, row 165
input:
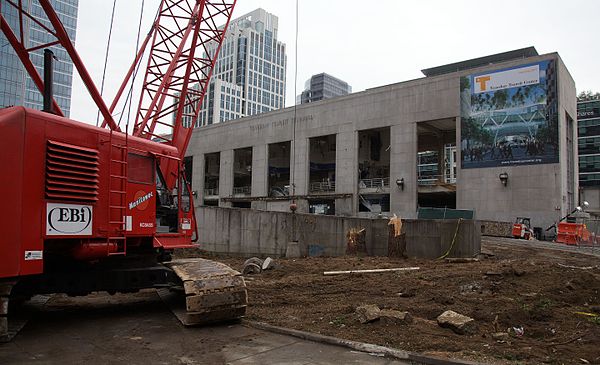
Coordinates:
column 473, row 287
column 251, row 268
column 254, row 260
column 493, row 273
column 456, row 322
column 407, row 293
column 394, row 316
column 518, row 271
column 501, row 336
column 268, row 264
column 368, row 313
column 518, row 331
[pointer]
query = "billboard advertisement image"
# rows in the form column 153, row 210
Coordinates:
column 509, row 117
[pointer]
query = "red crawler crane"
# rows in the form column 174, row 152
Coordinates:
column 94, row 209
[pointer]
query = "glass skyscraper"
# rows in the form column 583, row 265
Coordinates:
column 16, row 87
column 250, row 71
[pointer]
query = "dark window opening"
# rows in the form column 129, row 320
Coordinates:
column 322, row 164
column 279, row 169
column 374, row 160
column 212, row 166
column 242, row 171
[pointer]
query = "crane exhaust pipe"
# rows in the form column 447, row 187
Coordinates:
column 48, row 81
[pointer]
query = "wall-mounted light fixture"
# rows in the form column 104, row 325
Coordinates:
column 503, row 178
column 400, row 183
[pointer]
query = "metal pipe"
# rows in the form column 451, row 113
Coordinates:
column 48, row 81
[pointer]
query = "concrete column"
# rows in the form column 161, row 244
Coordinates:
column 403, row 164
column 197, row 182
column 226, row 177
column 300, row 165
column 260, row 166
column 346, row 171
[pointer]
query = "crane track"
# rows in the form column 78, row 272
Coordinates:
column 214, row 292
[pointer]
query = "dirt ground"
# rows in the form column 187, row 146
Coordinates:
column 518, row 286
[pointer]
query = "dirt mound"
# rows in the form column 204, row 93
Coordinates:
column 519, row 288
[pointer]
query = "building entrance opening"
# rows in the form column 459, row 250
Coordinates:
column 279, row 169
column 374, row 171
column 242, row 171
column 322, row 164
column 436, row 163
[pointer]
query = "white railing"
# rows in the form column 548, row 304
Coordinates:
column 211, row 192
column 322, row 187
column 374, row 183
column 436, row 179
column 241, row 190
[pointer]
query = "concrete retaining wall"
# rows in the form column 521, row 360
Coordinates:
column 249, row 232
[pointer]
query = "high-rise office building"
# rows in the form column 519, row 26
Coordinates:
column 588, row 125
column 323, row 86
column 250, row 71
column 16, row 87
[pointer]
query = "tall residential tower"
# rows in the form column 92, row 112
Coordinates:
column 16, row 87
column 249, row 75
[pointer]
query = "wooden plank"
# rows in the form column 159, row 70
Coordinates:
column 371, row 271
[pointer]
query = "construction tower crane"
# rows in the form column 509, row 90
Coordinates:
column 97, row 209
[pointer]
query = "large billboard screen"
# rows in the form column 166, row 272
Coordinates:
column 509, row 117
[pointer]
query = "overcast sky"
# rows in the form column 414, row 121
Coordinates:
column 384, row 42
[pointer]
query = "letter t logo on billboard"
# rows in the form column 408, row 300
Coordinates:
column 482, row 81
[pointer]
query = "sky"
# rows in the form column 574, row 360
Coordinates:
column 384, row 42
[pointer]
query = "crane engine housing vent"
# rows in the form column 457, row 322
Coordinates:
column 71, row 173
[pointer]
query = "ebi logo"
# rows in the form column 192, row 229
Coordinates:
column 68, row 219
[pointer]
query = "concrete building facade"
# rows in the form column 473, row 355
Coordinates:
column 323, row 86
column 358, row 155
column 16, row 87
column 250, row 71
